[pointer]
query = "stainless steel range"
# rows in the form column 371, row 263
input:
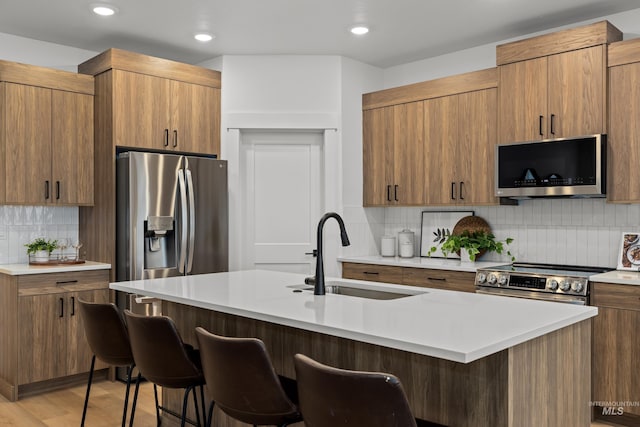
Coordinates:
column 561, row 283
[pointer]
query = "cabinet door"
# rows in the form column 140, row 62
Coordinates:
column 615, row 349
column 577, row 104
column 42, row 337
column 476, row 147
column 377, row 156
column 78, row 351
column 623, row 154
column 408, row 154
column 440, row 141
column 28, row 144
column 522, row 101
column 141, row 111
column 72, row 148
column 195, row 118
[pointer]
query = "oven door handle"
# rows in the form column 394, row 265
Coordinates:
column 541, row 296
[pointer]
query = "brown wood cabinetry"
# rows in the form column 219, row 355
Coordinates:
column 431, row 143
column 46, row 133
column 615, row 346
column 393, row 155
column 459, row 148
column 424, row 277
column 623, row 139
column 554, row 86
column 42, row 336
column 146, row 103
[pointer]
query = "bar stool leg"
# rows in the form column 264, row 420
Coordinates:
column 210, row 416
column 204, row 408
column 195, row 402
column 185, row 402
column 86, row 398
column 155, row 395
column 126, row 397
column 135, row 396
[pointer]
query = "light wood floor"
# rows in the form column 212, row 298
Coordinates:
column 63, row 408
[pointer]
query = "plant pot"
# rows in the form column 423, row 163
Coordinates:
column 41, row 256
column 464, row 256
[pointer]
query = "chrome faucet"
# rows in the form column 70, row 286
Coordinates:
column 318, row 288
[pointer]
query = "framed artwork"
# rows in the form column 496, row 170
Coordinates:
column 629, row 255
column 436, row 227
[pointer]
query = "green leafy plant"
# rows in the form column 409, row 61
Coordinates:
column 40, row 244
column 474, row 242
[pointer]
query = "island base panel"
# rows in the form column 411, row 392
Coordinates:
column 542, row 382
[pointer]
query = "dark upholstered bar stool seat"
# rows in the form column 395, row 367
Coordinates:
column 242, row 382
column 108, row 339
column 332, row 397
column 164, row 359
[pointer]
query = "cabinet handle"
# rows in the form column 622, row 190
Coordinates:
column 57, row 190
column 461, row 190
column 64, row 282
column 553, row 127
column 439, row 279
column 166, row 137
column 388, row 193
column 453, row 190
column 73, row 306
column 395, row 192
column 175, row 138
column 46, row 190
column 61, row 307
column 371, row 272
column 540, row 125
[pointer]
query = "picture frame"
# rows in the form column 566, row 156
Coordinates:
column 629, row 254
column 435, row 227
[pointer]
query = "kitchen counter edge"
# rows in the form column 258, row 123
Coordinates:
column 24, row 269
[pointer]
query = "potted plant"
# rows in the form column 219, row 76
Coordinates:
column 475, row 243
column 41, row 248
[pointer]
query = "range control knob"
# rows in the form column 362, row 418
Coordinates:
column 492, row 279
column 565, row 285
column 553, row 284
column 502, row 280
column 576, row 286
column 481, row 278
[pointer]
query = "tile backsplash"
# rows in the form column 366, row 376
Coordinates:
column 21, row 224
column 559, row 231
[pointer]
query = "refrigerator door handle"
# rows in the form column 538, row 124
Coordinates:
column 192, row 221
column 183, row 228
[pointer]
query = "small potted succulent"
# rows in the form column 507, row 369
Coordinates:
column 41, row 249
column 474, row 243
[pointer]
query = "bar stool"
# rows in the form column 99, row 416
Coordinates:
column 242, row 382
column 331, row 397
column 165, row 360
column 108, row 339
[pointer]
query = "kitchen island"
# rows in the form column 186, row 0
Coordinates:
column 464, row 359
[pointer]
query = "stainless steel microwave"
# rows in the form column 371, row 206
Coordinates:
column 567, row 167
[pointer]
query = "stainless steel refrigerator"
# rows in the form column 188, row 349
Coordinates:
column 172, row 215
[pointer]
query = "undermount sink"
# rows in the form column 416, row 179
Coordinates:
column 343, row 288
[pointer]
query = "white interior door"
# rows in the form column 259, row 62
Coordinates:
column 283, row 195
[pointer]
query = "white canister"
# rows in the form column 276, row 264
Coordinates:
column 388, row 246
column 405, row 243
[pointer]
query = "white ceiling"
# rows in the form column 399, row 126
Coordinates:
column 402, row 31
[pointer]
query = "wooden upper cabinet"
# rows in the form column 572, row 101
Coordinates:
column 408, row 154
column 377, row 155
column 46, row 136
column 623, row 139
column 441, row 136
column 195, row 118
column 554, row 85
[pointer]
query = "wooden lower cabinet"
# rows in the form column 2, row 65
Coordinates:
column 424, row 277
column 42, row 336
column 615, row 376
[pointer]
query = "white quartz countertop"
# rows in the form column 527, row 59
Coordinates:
column 457, row 326
column 22, row 269
column 423, row 262
column 620, row 277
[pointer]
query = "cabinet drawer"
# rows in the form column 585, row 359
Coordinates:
column 372, row 273
column 626, row 297
column 40, row 284
column 440, row 279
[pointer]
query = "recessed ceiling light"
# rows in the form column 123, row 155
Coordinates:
column 203, row 37
column 359, row 30
column 104, row 10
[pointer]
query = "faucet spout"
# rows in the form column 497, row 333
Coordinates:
column 318, row 288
